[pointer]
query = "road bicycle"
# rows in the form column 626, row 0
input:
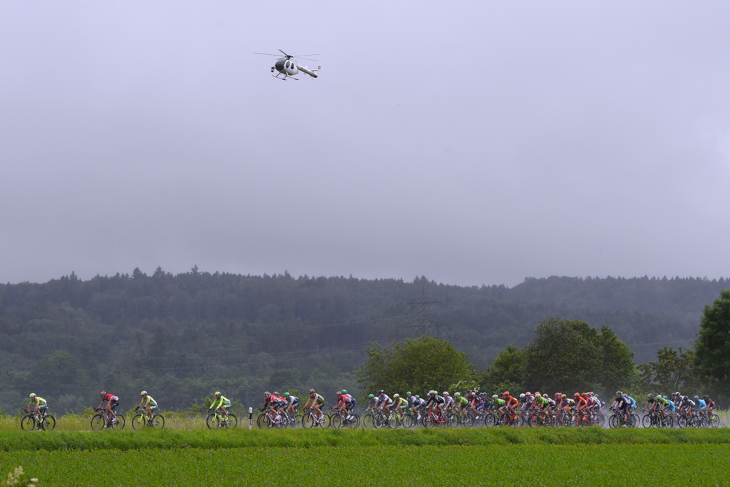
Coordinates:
column 616, row 420
column 43, row 421
column 654, row 419
column 388, row 419
column 310, row 419
column 140, row 420
column 102, row 420
column 340, row 419
column 215, row 419
column 434, row 418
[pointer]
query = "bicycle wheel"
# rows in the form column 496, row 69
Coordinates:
column 489, row 420
column 261, row 420
column 139, row 421
column 368, row 421
column 119, row 423
column 335, row 421
column 231, row 420
column 212, row 421
column 98, row 422
column 646, row 422
column 308, row 420
column 613, row 421
column 409, row 421
column 48, row 423
column 27, row 423
column 158, row 421
column 714, row 421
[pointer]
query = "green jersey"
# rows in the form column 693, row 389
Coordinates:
column 219, row 402
column 148, row 400
column 41, row 402
column 462, row 400
column 498, row 402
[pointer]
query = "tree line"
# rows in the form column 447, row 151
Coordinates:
column 189, row 334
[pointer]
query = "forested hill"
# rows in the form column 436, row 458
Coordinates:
column 191, row 333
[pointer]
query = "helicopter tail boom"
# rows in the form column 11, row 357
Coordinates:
column 310, row 72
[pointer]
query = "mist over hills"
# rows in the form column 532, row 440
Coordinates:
column 188, row 334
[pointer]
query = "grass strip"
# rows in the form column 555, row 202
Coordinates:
column 679, row 464
column 243, row 438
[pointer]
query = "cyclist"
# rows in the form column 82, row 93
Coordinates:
column 147, row 403
column 40, row 405
column 372, row 402
column 112, row 401
column 222, row 403
column 475, row 401
column 632, row 402
column 652, row 401
column 663, row 405
column 317, row 403
column 418, row 404
column 498, row 404
column 622, row 404
column 701, row 406
column 384, row 401
column 437, row 401
column 462, row 403
column 448, row 401
column 293, row 402
column 710, row 404
column 350, row 401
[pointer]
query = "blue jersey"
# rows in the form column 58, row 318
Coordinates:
column 703, row 405
column 670, row 406
column 631, row 400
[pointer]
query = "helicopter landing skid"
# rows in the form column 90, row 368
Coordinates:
column 284, row 78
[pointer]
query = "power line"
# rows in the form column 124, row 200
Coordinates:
column 424, row 319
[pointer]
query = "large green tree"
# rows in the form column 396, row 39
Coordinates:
column 673, row 371
column 417, row 365
column 506, row 371
column 570, row 356
column 712, row 348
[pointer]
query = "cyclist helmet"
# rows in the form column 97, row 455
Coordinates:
column 457, row 394
column 506, row 393
column 286, row 394
column 32, row 395
column 344, row 391
column 696, row 397
column 408, row 393
column 266, row 394
column 522, row 396
column 418, row 397
column 339, row 393
column 494, row 396
column 217, row 393
column 577, row 394
column 618, row 393
column 528, row 393
column 557, row 394
column 469, row 391
column 537, row 394
column 396, row 395
column 676, row 393
column 431, row 392
column 143, row 393
column 584, row 395
column 276, row 393
column 658, row 396
column 371, row 396
column 446, row 393
column 381, row 392
column 652, row 395
column 311, row 391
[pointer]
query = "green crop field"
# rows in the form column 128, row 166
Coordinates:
column 414, row 465
column 342, row 457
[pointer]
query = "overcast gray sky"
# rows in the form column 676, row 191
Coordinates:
column 473, row 142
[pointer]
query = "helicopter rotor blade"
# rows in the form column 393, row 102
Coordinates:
column 304, row 55
column 307, row 59
column 267, row 54
column 288, row 56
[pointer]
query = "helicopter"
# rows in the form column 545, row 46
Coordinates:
column 288, row 67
